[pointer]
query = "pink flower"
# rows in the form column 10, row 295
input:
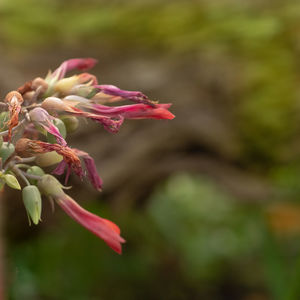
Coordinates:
column 103, row 228
column 41, row 117
column 89, row 162
column 60, row 169
column 92, row 173
column 134, row 96
column 57, row 105
column 74, row 63
column 135, row 111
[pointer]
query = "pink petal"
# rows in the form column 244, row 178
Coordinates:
column 90, row 165
column 135, row 96
column 103, row 228
column 92, row 172
column 74, row 63
column 54, row 131
column 136, row 111
column 60, row 168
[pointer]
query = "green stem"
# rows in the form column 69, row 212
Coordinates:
column 21, row 175
column 31, row 176
column 23, row 166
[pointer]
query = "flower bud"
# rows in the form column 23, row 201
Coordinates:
column 12, row 181
column 65, row 85
column 33, row 203
column 29, row 97
column 39, row 115
column 85, row 91
column 35, row 170
column 50, row 186
column 71, row 123
column 53, row 104
column 62, row 130
column 48, row 159
column 6, row 150
column 14, row 98
column 22, row 147
column 40, row 83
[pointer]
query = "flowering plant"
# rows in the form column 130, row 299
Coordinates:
column 34, row 122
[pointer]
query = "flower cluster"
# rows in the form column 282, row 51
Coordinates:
column 34, row 122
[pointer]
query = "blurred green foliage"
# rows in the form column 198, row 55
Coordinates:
column 204, row 225
column 192, row 238
column 189, row 232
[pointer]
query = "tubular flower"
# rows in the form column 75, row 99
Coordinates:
column 41, row 117
column 134, row 96
column 14, row 100
column 74, row 63
column 135, row 111
column 56, row 104
column 90, row 165
column 26, row 148
column 103, row 228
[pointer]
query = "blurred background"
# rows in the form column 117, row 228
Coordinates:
column 209, row 202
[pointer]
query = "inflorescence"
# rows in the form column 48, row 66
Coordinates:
column 34, row 122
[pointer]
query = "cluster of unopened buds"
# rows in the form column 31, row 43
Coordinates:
column 34, row 122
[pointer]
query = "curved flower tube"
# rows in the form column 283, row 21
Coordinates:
column 103, row 228
column 134, row 96
column 73, row 63
column 135, row 111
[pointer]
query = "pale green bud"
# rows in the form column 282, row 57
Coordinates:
column 35, row 170
column 33, row 203
column 48, row 159
column 11, row 181
column 6, row 150
column 70, row 122
column 65, row 85
column 50, row 186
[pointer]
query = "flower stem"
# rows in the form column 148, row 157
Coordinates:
column 20, row 174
